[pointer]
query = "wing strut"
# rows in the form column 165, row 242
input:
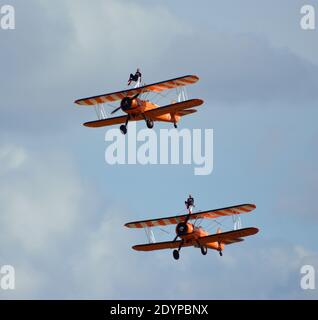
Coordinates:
column 150, row 235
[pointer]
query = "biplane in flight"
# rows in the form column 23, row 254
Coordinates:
column 137, row 107
column 190, row 234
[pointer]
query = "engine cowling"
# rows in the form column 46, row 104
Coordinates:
column 128, row 103
column 184, row 228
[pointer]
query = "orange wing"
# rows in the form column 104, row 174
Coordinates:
column 210, row 214
column 173, row 108
column 109, row 121
column 231, row 241
column 160, row 246
column 228, row 237
column 152, row 114
column 225, row 237
column 156, row 87
column 186, row 112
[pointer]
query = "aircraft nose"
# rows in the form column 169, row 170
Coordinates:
column 182, row 228
column 125, row 103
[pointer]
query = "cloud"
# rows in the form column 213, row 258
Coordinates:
column 238, row 69
column 67, row 241
column 11, row 158
column 67, row 50
column 63, row 235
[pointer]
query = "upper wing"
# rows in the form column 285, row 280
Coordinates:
column 156, row 87
column 228, row 237
column 210, row 214
column 160, row 245
column 106, row 122
column 173, row 108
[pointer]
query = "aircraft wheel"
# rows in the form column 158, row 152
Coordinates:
column 176, row 254
column 175, row 125
column 123, row 129
column 204, row 250
column 221, row 253
column 150, row 124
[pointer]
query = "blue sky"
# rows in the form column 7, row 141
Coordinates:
column 63, row 208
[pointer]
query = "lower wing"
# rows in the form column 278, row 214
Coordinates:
column 174, row 108
column 186, row 112
column 179, row 108
column 228, row 237
column 160, row 245
column 109, row 122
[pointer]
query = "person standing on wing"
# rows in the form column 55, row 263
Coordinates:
column 190, row 203
column 136, row 78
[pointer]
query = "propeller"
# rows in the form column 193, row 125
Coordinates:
column 183, row 225
column 125, row 104
column 114, row 111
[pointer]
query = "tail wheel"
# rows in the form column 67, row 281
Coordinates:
column 220, row 253
column 150, row 124
column 123, row 129
column 175, row 125
column 204, row 250
column 176, row 254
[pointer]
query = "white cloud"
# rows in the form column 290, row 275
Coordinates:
column 11, row 157
column 64, row 246
column 40, row 203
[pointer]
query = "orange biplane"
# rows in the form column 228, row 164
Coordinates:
column 196, row 236
column 135, row 104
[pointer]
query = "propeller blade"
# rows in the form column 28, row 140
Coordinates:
column 115, row 110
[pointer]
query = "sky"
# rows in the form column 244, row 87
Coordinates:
column 63, row 208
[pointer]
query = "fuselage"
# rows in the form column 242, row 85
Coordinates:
column 139, row 106
column 191, row 234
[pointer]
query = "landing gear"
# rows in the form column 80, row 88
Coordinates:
column 149, row 123
column 123, row 129
column 204, row 250
column 175, row 125
column 220, row 250
column 176, row 254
